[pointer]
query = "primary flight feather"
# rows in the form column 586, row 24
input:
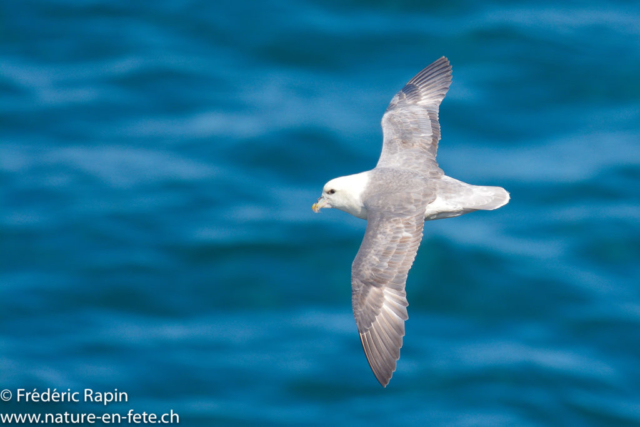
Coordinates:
column 405, row 189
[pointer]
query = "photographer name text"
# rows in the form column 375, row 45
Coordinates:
column 55, row 396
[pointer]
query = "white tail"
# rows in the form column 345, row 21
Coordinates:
column 455, row 198
column 489, row 198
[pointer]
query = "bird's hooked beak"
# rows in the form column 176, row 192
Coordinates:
column 322, row 203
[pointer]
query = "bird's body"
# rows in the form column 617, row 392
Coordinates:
column 450, row 197
column 404, row 190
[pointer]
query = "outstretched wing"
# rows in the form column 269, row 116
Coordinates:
column 378, row 278
column 410, row 124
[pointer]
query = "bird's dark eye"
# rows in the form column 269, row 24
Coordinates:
column 331, row 191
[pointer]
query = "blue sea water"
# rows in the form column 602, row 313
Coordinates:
column 158, row 162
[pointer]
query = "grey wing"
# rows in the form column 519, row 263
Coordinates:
column 378, row 280
column 410, row 124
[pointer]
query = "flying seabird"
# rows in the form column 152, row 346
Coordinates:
column 405, row 189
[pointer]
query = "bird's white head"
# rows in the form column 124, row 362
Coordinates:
column 345, row 193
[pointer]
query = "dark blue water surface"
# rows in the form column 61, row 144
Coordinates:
column 158, row 162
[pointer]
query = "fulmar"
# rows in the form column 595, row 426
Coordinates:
column 405, row 189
